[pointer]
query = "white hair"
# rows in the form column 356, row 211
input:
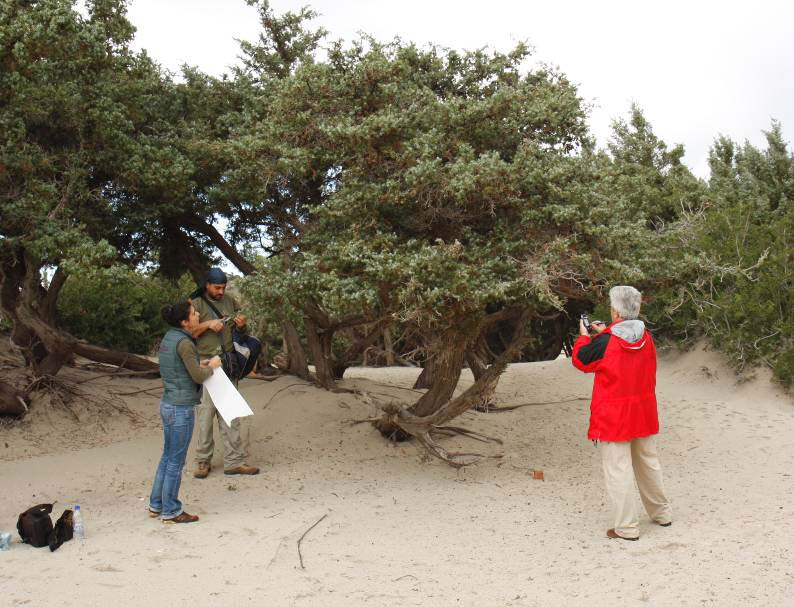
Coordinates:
column 625, row 301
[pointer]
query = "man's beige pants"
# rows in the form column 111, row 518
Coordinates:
column 233, row 450
column 623, row 463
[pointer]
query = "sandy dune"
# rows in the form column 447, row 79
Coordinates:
column 402, row 529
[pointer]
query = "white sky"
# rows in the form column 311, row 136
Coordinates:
column 697, row 68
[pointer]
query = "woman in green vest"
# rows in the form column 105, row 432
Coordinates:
column 182, row 375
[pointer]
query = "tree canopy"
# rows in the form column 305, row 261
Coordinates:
column 433, row 206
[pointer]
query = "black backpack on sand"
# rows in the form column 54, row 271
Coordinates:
column 62, row 532
column 34, row 525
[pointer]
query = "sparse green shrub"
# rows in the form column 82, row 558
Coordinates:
column 118, row 308
column 748, row 306
column 739, row 293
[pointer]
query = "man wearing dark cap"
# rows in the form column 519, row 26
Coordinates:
column 218, row 312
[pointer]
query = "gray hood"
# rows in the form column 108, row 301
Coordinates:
column 629, row 330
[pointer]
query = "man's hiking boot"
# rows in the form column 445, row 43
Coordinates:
column 181, row 518
column 242, row 469
column 202, row 470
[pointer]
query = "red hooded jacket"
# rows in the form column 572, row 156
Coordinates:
column 623, row 406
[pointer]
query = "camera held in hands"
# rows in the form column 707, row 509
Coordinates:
column 588, row 324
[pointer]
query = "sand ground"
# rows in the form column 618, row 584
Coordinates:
column 401, row 528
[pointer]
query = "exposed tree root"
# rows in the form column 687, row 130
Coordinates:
column 13, row 402
column 62, row 394
column 421, row 425
column 453, row 458
column 458, row 431
column 514, row 407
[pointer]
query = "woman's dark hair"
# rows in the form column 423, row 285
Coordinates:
column 175, row 313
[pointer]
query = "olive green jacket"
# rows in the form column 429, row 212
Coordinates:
column 211, row 343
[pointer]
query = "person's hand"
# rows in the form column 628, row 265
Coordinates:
column 216, row 325
column 583, row 329
column 598, row 326
column 204, row 363
column 240, row 320
column 214, row 362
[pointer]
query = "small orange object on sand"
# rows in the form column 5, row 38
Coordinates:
column 537, row 474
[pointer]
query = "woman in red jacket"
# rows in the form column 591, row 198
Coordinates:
column 623, row 413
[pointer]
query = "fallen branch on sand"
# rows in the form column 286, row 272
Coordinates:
column 280, row 390
column 137, row 391
column 118, row 374
column 264, row 377
column 300, row 556
column 514, row 407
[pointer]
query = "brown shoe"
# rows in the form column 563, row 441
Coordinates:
column 242, row 469
column 152, row 513
column 611, row 534
column 181, row 518
column 202, row 470
column 664, row 524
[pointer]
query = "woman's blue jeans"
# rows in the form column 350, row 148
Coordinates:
column 177, row 431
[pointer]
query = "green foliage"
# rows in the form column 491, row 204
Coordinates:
column 65, row 86
column 646, row 181
column 735, row 285
column 445, row 183
column 426, row 186
column 748, row 235
column 118, row 308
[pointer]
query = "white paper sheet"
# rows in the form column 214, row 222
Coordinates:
column 227, row 400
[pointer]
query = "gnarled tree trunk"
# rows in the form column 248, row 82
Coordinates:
column 13, row 402
column 296, row 357
column 319, row 340
column 449, row 353
column 31, row 309
column 478, row 368
column 409, row 422
column 447, row 357
column 425, row 379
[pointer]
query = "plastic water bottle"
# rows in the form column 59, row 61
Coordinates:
column 5, row 541
column 78, row 526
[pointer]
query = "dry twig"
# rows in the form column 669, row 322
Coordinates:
column 300, row 556
column 270, row 400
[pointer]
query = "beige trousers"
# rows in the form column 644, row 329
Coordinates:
column 624, row 463
column 233, row 450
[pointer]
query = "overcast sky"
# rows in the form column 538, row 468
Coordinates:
column 697, row 68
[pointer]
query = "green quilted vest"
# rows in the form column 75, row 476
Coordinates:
column 180, row 389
